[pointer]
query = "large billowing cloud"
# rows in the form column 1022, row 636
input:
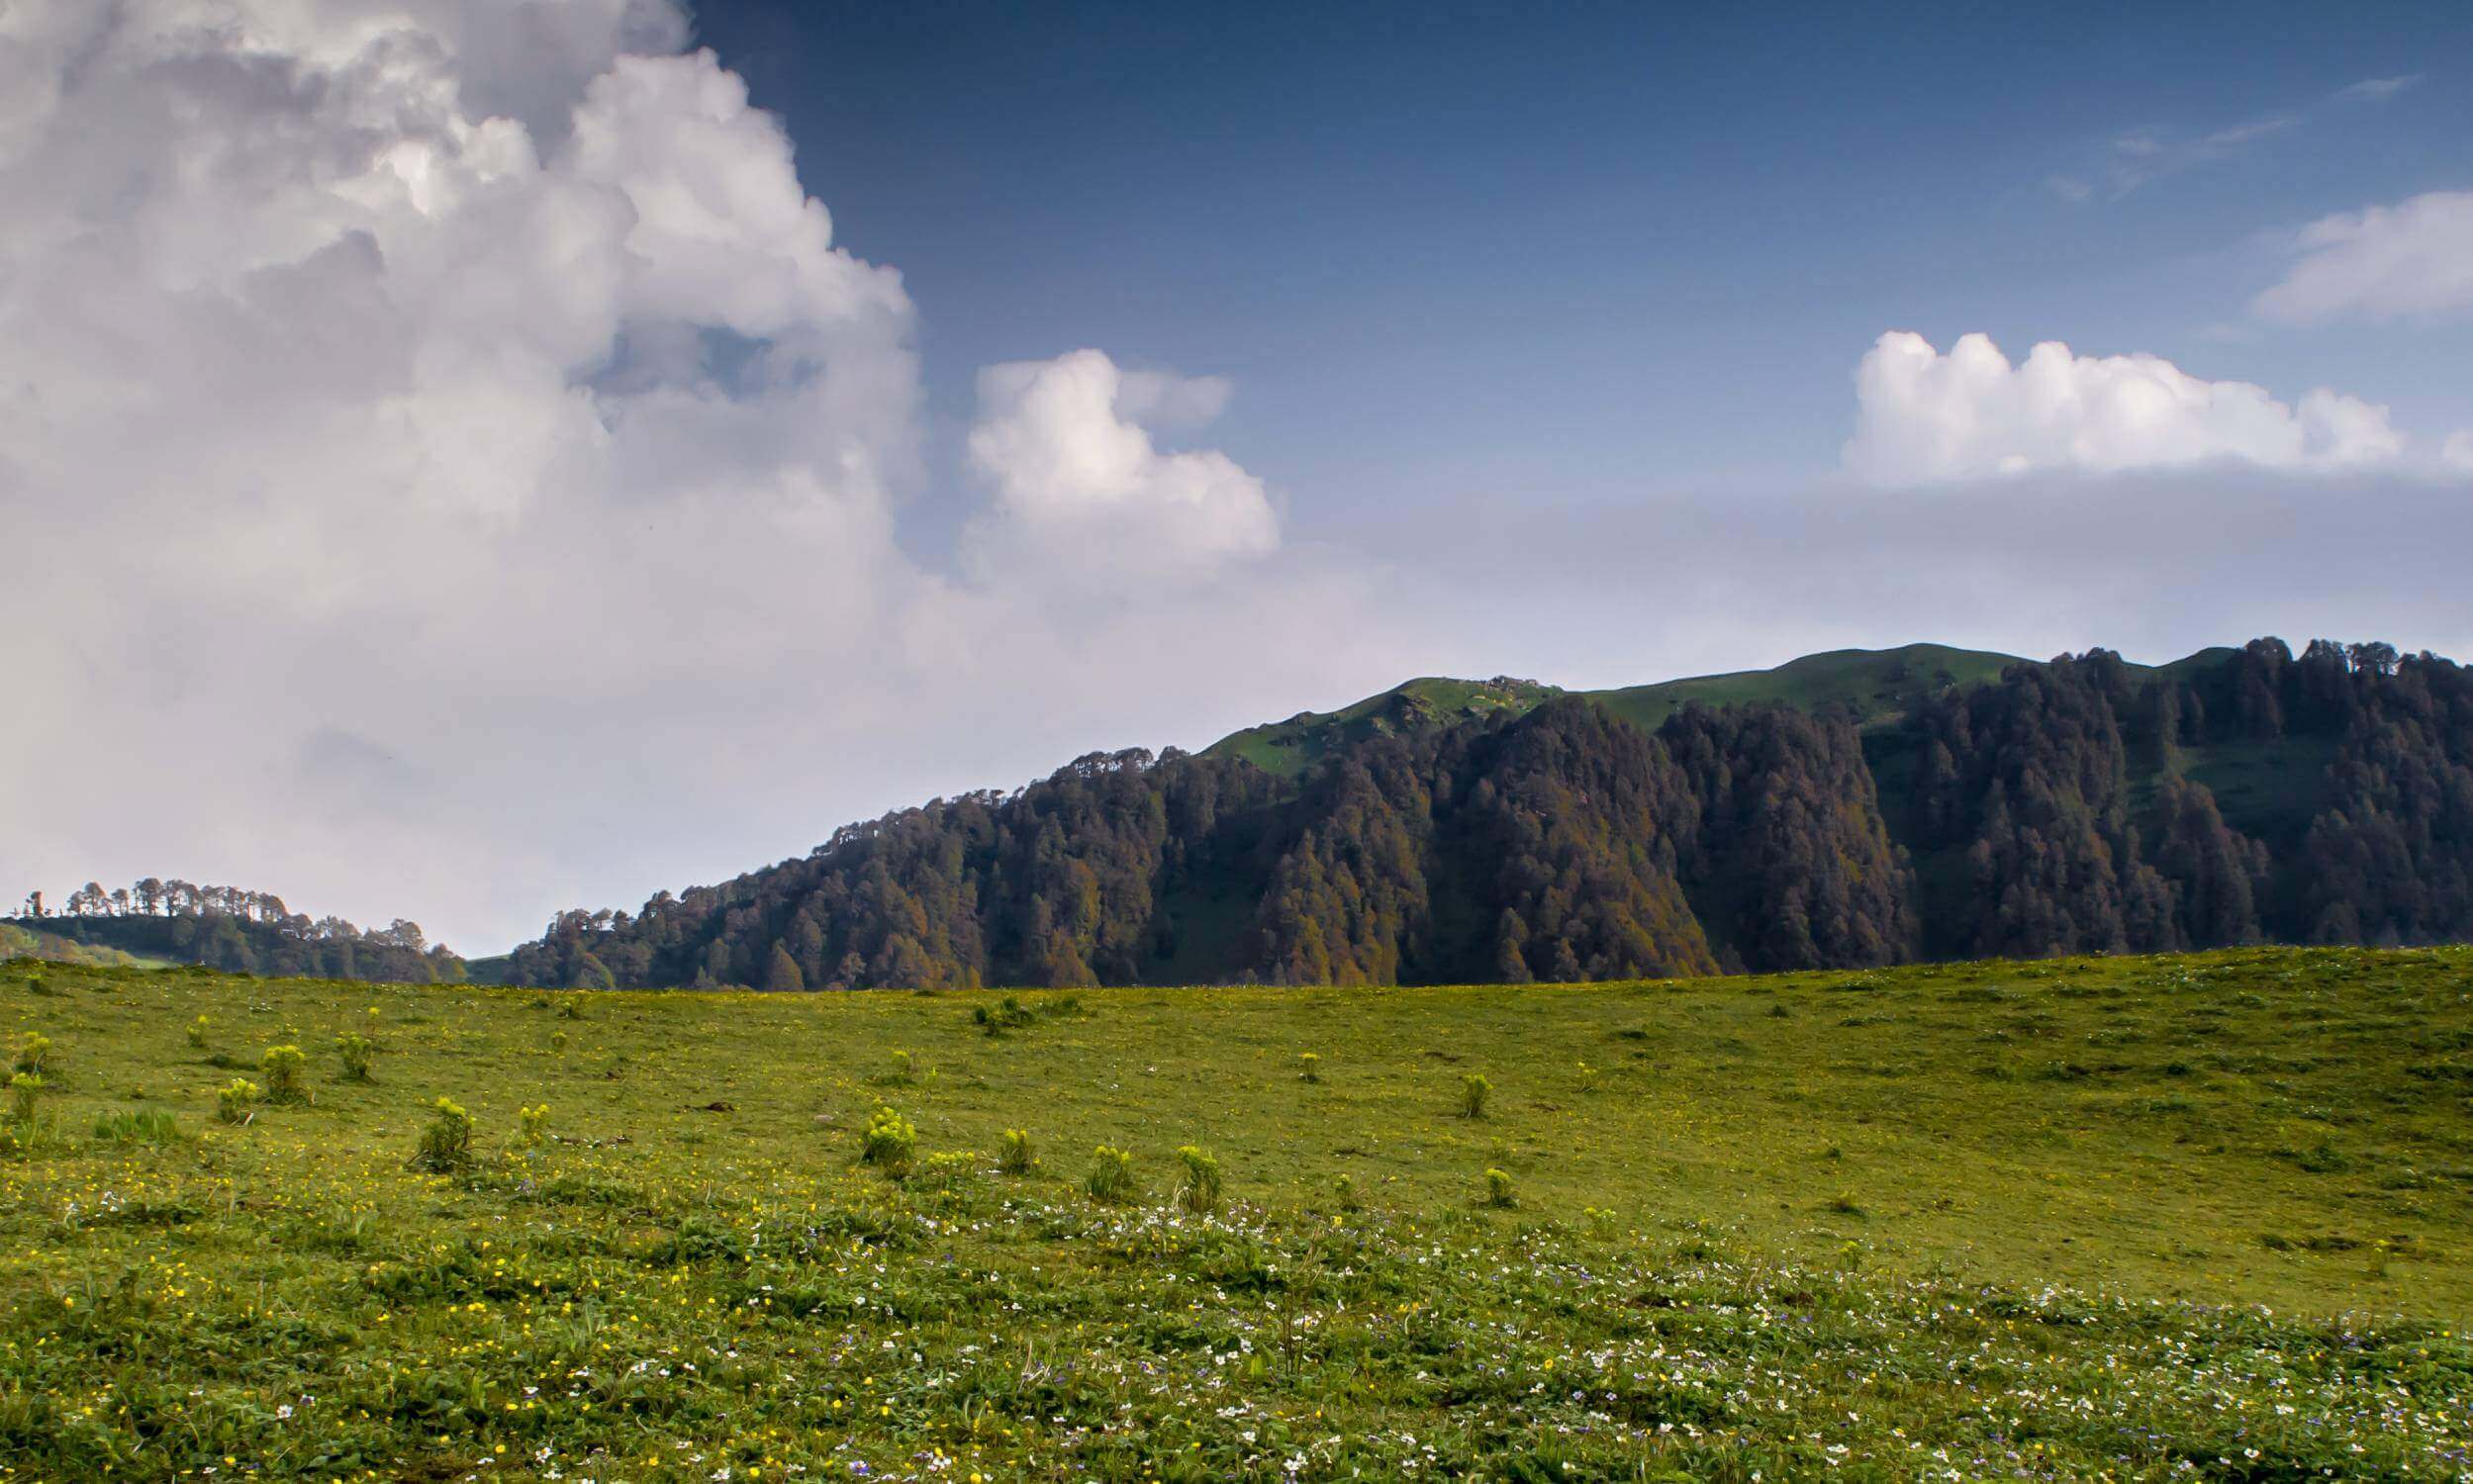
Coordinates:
column 467, row 476
column 2411, row 259
column 1924, row 416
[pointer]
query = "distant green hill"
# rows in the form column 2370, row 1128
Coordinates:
column 1846, row 809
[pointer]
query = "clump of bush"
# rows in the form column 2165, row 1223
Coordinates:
column 1498, row 1190
column 237, row 1101
column 946, row 1170
column 137, row 1126
column 446, row 1144
column 889, row 1144
column 282, row 1067
column 356, row 1052
column 1199, row 1193
column 1110, row 1180
column 903, row 1073
column 34, row 1055
column 1343, row 1190
column 197, row 1033
column 1474, row 1089
column 1308, row 1066
column 23, row 1089
column 532, row 1124
column 1014, row 1154
column 1008, row 1014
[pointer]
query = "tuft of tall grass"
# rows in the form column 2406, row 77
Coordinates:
column 1199, row 1193
column 1110, row 1180
column 446, row 1142
column 137, row 1126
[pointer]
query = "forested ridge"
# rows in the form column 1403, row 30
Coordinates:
column 238, row 931
column 2076, row 805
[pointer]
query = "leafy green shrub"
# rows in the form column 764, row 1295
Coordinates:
column 446, row 1144
column 1473, row 1092
column 1498, row 1190
column 533, row 1121
column 137, row 1126
column 1343, row 1190
column 355, row 1051
column 558, row 1042
column 237, row 1101
column 903, row 1073
column 197, row 1033
column 1199, row 1193
column 889, row 1144
column 1308, row 1066
column 571, row 1006
column 23, row 1089
column 282, row 1067
column 33, row 1054
column 1014, row 1156
column 1110, row 1180
column 1009, row 1014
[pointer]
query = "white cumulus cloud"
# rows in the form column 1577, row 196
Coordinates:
column 2458, row 452
column 1925, row 417
column 1063, row 444
column 2386, row 262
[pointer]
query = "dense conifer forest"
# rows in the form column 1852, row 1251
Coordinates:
column 2078, row 805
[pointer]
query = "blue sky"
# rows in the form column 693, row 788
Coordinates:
column 1588, row 252
column 491, row 464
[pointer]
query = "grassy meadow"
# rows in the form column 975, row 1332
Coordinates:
column 2133, row 1217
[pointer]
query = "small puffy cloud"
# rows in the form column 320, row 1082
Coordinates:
column 1063, row 444
column 2458, row 452
column 1925, row 417
column 2412, row 259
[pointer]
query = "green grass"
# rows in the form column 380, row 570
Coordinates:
column 1875, row 685
column 2139, row 1216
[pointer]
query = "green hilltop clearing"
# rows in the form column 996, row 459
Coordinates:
column 2194, row 1216
column 1875, row 687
